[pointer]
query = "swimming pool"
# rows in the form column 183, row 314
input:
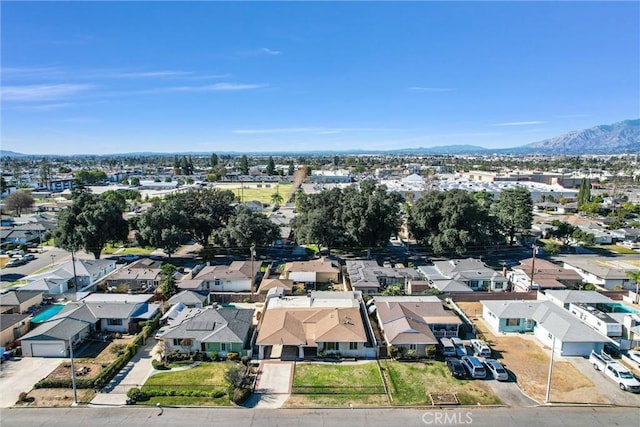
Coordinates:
column 47, row 313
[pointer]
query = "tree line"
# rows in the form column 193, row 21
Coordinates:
column 204, row 216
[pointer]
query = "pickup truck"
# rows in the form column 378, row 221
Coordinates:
column 618, row 373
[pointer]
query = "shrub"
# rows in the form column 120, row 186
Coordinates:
column 240, row 395
column 245, row 360
column 117, row 349
column 232, row 356
column 214, row 356
column 247, row 300
column 218, row 394
column 136, row 393
column 22, row 397
column 159, row 365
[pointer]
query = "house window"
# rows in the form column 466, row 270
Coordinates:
column 223, row 346
column 114, row 322
column 413, row 347
column 498, row 285
column 353, row 346
column 176, row 341
column 513, row 322
column 331, row 346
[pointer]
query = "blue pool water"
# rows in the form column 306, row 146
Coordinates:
column 621, row 308
column 47, row 314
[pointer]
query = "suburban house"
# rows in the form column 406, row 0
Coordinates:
column 78, row 320
column 315, row 271
column 139, row 275
column 443, row 286
column 18, row 302
column 369, row 277
column 190, row 299
column 564, row 298
column 210, row 329
column 302, row 327
column 552, row 326
column 239, row 276
column 509, row 316
column 269, row 283
column 87, row 272
column 53, row 338
column 546, row 275
column 12, row 327
column 470, row 272
column 415, row 322
column 601, row 272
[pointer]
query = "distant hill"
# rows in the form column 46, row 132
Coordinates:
column 618, row 138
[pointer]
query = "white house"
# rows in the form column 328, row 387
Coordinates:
column 237, row 277
column 602, row 272
column 470, row 272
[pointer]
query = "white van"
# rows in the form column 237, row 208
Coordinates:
column 447, row 347
column 481, row 348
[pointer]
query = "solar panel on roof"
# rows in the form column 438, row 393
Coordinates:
column 201, row 325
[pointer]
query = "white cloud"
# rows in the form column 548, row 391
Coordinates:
column 268, row 51
column 219, row 87
column 313, row 130
column 44, row 107
column 151, row 74
column 529, row 123
column 431, row 89
column 43, row 92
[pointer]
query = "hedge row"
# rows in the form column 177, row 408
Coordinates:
column 110, row 371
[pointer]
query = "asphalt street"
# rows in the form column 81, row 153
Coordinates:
column 241, row 417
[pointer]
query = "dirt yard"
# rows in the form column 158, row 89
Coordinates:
column 56, row 397
column 529, row 361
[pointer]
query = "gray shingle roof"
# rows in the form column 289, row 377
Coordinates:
column 212, row 325
column 61, row 329
column 564, row 326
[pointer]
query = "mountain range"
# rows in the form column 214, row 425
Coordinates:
column 618, row 138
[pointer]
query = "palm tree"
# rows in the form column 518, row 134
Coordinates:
column 635, row 276
column 276, row 198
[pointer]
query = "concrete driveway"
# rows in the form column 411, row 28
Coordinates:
column 273, row 386
column 18, row 375
column 509, row 393
column 608, row 389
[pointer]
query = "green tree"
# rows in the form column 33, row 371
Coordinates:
column 163, row 225
column 292, row 168
column 551, row 248
column 90, row 223
column 206, row 210
column 319, row 219
column 3, row 185
column 371, row 214
column 246, row 228
column 514, row 212
column 393, row 290
column 276, row 198
column 244, row 165
column 89, row 176
column 584, row 193
column 135, row 181
column 168, row 287
column 271, row 166
column 213, row 160
column 562, row 230
column 19, row 201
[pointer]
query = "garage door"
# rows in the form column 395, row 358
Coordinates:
column 48, row 350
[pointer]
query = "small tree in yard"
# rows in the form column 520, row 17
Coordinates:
column 186, row 343
column 238, row 384
column 168, row 287
column 19, row 201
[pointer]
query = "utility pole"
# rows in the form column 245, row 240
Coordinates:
column 533, row 266
column 252, row 249
column 553, row 346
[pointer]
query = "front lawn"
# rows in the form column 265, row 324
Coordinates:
column 411, row 383
column 332, row 384
column 187, row 401
column 206, row 376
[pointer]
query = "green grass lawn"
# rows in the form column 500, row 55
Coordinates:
column 619, row 249
column 137, row 250
column 337, row 385
column 206, row 374
column 411, row 383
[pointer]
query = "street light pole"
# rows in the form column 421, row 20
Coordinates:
column 53, row 257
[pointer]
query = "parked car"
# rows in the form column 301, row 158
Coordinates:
column 497, row 370
column 634, row 355
column 456, row 368
column 615, row 371
column 447, row 347
column 461, row 349
column 28, row 257
column 481, row 348
column 14, row 262
column 474, row 366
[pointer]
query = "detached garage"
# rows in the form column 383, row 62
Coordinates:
column 51, row 339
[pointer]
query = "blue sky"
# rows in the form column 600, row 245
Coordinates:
column 115, row 77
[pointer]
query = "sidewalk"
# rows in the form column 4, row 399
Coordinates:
column 134, row 374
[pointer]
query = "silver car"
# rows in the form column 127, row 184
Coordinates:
column 498, row 371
